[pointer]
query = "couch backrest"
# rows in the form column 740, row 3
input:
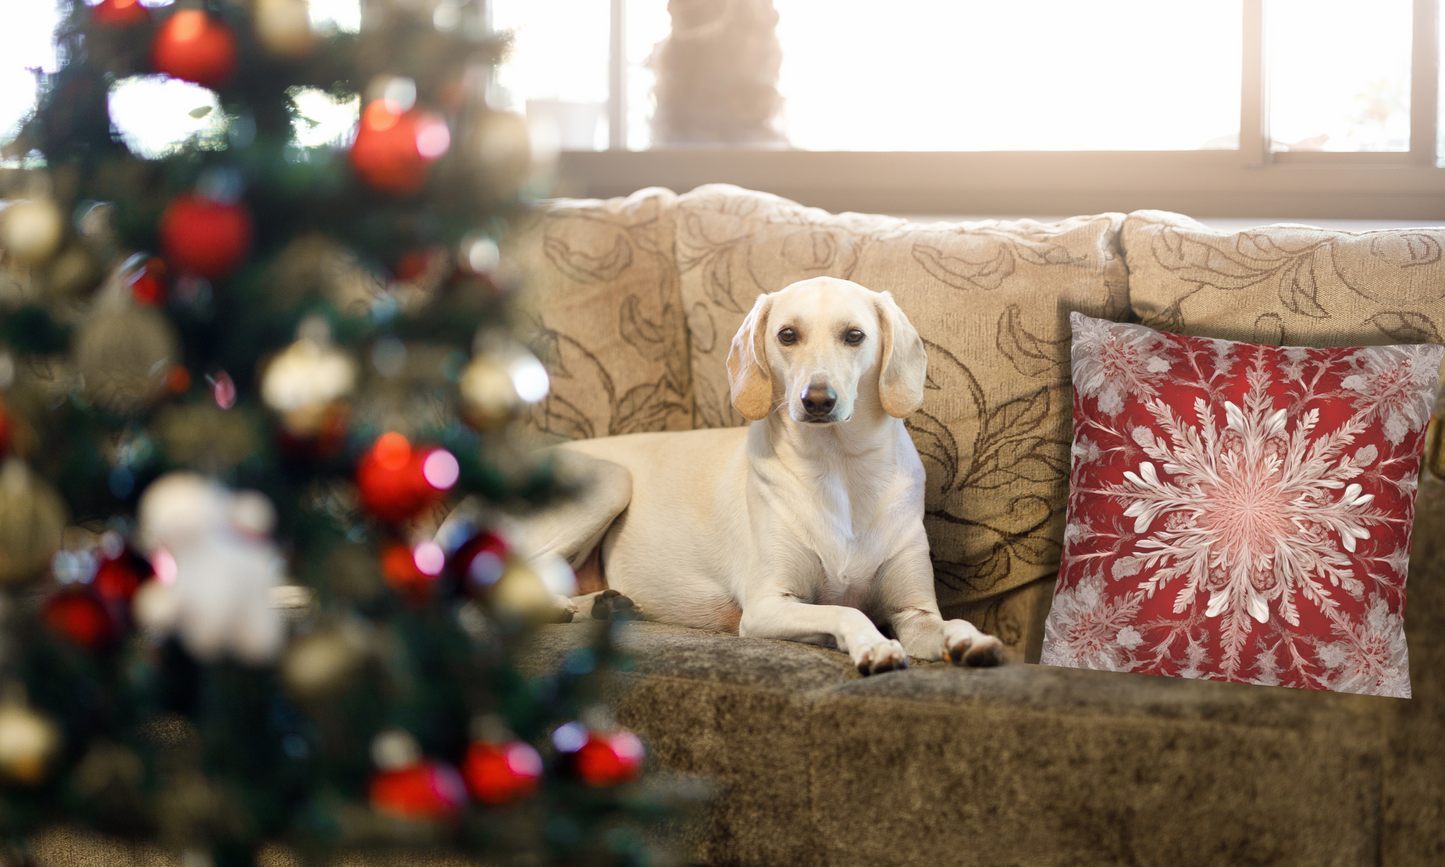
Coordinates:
column 991, row 299
column 601, row 307
column 632, row 304
column 1286, row 285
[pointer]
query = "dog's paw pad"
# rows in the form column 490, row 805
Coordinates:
column 879, row 658
column 611, row 605
column 982, row 651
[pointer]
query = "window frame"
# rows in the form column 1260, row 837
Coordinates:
column 1252, row 181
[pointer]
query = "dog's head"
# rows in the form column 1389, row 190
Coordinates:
column 819, row 345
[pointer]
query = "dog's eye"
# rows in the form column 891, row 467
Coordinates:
column 787, row 337
column 853, row 337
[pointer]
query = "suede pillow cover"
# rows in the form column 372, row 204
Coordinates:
column 1238, row 511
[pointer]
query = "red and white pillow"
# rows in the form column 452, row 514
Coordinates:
column 1240, row 512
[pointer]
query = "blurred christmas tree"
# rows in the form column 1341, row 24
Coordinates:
column 246, row 384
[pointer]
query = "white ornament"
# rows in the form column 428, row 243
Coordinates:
column 304, row 380
column 225, row 568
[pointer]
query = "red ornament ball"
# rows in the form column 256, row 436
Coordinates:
column 609, row 759
column 193, row 46
column 425, row 790
column 147, row 280
column 119, row 13
column 501, row 773
column 396, row 481
column 394, row 151
column 118, row 578
column 203, row 236
column 6, row 428
column 413, row 264
column 413, row 571
column 480, row 561
column 78, row 615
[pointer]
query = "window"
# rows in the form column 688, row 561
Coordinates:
column 1268, row 108
column 1338, row 75
column 1272, row 108
column 25, row 45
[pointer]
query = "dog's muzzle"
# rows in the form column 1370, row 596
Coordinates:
column 818, row 402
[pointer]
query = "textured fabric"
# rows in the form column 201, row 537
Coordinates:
column 1016, row 765
column 1240, row 512
column 601, row 309
column 990, row 300
column 1286, row 285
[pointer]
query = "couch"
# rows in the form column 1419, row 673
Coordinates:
column 631, row 304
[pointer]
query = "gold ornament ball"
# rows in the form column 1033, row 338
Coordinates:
column 74, row 272
column 124, row 356
column 28, row 741
column 31, row 231
column 205, row 436
column 489, row 396
column 520, row 594
column 323, row 663
column 32, row 518
column 284, row 27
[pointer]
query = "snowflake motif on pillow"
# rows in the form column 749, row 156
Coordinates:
column 1240, row 512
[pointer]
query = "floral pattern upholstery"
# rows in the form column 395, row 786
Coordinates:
column 601, row 308
column 990, row 300
column 1286, row 285
column 632, row 302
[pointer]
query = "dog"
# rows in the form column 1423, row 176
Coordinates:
column 807, row 524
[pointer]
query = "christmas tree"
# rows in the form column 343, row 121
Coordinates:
column 257, row 397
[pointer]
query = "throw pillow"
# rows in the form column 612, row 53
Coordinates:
column 1240, row 511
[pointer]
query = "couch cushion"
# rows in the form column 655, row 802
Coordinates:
column 991, row 301
column 1286, row 284
column 601, row 308
column 1021, row 764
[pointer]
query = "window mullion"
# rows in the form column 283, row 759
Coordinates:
column 1254, row 98
column 1424, row 82
column 617, row 78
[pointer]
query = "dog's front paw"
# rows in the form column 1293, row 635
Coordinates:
column 611, row 605
column 965, row 645
column 880, row 656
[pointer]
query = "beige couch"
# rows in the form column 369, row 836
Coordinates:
column 632, row 303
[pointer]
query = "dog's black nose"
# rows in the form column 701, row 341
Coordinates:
column 819, row 400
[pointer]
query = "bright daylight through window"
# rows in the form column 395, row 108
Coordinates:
column 1324, row 97
column 948, row 75
column 1324, row 83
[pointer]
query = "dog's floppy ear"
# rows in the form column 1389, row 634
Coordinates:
column 749, row 380
column 903, row 368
